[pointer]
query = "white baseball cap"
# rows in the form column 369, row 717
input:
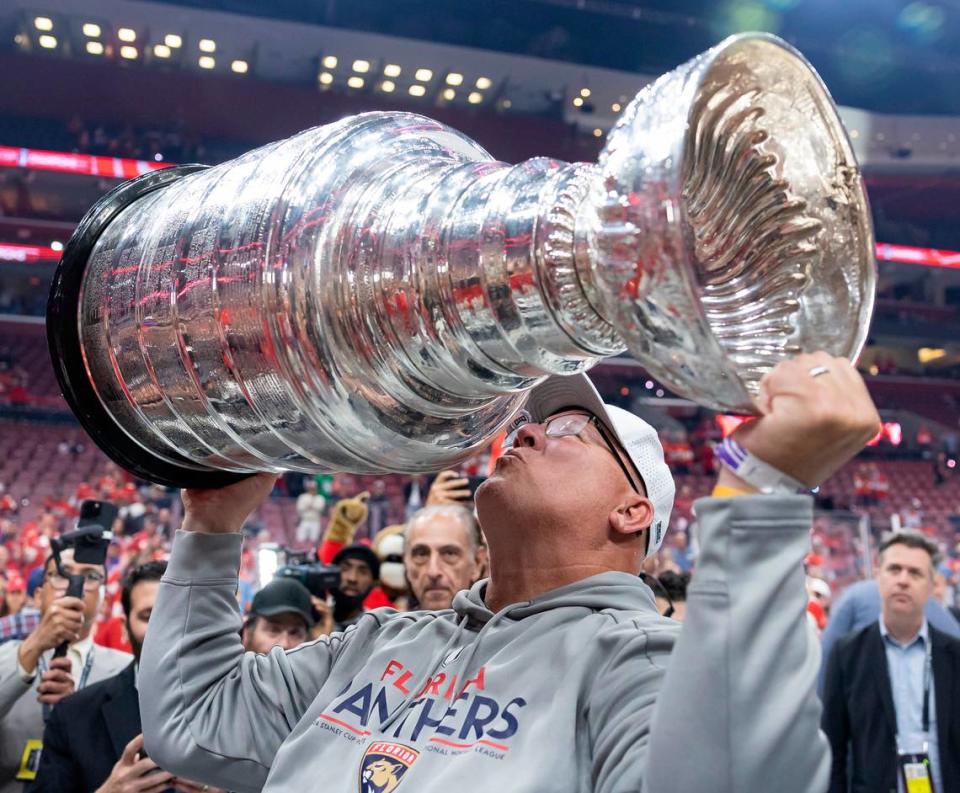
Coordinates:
column 638, row 439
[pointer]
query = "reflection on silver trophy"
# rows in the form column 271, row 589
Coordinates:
column 379, row 294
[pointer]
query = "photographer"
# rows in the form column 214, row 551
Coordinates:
column 92, row 741
column 32, row 681
column 556, row 673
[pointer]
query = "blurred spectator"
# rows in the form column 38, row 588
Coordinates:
column 682, row 556
column 378, row 508
column 281, row 616
column 671, row 594
column 443, row 554
column 310, row 506
column 818, row 605
column 414, row 495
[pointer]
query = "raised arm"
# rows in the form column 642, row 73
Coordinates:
column 737, row 709
column 211, row 711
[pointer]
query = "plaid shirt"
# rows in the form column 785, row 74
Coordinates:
column 19, row 625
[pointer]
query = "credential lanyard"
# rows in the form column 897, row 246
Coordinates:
column 84, row 674
column 927, row 676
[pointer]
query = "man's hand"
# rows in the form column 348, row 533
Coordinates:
column 56, row 683
column 135, row 774
column 810, row 426
column 324, row 624
column 224, row 510
column 62, row 622
column 448, row 488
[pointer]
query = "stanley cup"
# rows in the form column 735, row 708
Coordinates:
column 379, row 294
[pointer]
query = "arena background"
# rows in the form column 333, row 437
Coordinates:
column 98, row 91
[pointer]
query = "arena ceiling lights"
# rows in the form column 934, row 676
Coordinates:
column 125, row 41
column 410, row 81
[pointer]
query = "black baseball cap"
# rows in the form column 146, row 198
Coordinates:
column 362, row 552
column 283, row 596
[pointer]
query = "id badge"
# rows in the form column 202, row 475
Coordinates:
column 915, row 772
column 30, row 760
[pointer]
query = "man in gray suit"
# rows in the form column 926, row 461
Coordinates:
column 32, row 681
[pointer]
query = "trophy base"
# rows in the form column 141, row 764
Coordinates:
column 66, row 351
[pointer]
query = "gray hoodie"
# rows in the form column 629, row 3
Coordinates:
column 585, row 688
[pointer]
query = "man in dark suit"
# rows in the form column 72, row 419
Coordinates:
column 92, row 741
column 876, row 683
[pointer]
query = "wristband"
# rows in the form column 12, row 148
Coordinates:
column 754, row 471
column 722, row 491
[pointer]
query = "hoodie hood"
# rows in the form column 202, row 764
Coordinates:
column 619, row 591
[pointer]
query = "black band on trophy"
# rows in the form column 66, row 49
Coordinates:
column 66, row 353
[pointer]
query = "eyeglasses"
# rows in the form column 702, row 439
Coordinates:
column 92, row 580
column 567, row 424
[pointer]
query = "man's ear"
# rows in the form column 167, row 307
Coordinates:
column 632, row 515
column 482, row 560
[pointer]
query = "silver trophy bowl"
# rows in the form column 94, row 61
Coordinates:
column 380, row 294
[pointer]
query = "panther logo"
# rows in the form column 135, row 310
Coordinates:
column 384, row 765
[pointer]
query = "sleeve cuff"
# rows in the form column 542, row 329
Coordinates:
column 200, row 557
column 746, row 511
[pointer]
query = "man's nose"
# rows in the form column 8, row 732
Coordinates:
column 532, row 435
column 433, row 566
column 288, row 642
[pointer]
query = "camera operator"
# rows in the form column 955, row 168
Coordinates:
column 359, row 570
column 32, row 681
column 281, row 615
column 92, row 741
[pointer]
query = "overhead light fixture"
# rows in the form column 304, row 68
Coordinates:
column 577, row 102
column 361, row 66
column 355, row 82
column 128, row 52
column 597, row 132
column 483, row 83
column 207, row 45
column 329, row 62
column 43, row 23
column 47, row 42
column 615, row 107
column 392, row 70
column 239, row 67
column 173, row 41
column 127, row 34
column 206, row 62
column 449, row 94
column 95, row 48
column 454, row 78
column 161, row 50
column 387, row 86
column 91, row 29
column 417, row 90
column 506, row 104
column 424, row 75
column 584, row 92
column 56, row 245
column 326, row 78
column 475, row 98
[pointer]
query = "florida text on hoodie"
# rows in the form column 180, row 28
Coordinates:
column 585, row 688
